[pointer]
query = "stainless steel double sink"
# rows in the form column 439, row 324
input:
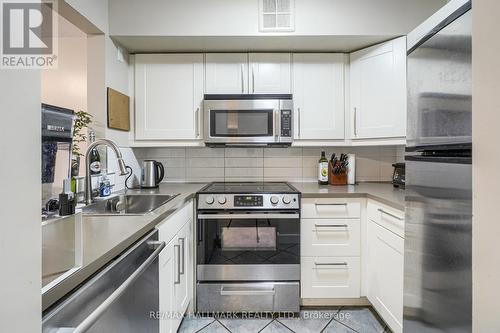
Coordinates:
column 130, row 204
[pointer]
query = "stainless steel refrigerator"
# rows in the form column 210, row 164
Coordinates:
column 438, row 229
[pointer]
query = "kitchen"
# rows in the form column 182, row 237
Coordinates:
column 250, row 158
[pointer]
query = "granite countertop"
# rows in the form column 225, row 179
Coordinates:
column 105, row 237
column 383, row 192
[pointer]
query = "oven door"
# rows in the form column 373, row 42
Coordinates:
column 242, row 121
column 248, row 246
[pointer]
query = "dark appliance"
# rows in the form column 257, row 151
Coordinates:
column 120, row 298
column 248, row 247
column 438, row 223
column 398, row 177
column 248, row 120
column 57, row 137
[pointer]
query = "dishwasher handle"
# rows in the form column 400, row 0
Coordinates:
column 99, row 311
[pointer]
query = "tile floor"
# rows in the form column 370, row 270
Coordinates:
column 338, row 320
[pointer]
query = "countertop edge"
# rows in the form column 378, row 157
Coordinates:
column 354, row 195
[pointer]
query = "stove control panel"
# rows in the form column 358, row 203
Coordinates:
column 248, row 201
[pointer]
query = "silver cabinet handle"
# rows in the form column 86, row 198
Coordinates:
column 197, row 125
column 355, row 121
column 87, row 323
column 330, row 225
column 329, row 265
column 247, row 216
column 242, row 80
column 253, row 78
column 331, row 204
column 390, row 214
column 178, row 277
column 247, row 292
column 298, row 121
column 183, row 249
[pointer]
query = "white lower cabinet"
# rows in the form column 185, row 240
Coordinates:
column 322, row 236
column 330, row 248
column 330, row 277
column 385, row 266
column 175, row 268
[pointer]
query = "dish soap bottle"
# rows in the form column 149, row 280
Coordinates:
column 105, row 187
column 323, row 170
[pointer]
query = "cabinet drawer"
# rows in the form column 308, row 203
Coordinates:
column 330, row 277
column 169, row 227
column 262, row 296
column 330, row 208
column 388, row 217
column 327, row 237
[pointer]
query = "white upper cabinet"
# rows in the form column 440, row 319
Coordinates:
column 270, row 73
column 226, row 73
column 168, row 92
column 378, row 91
column 318, row 92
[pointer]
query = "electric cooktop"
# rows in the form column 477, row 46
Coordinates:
column 249, row 187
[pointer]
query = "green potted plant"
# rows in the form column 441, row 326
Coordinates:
column 82, row 121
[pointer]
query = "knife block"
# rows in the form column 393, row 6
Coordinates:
column 336, row 179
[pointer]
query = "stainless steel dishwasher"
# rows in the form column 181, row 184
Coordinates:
column 122, row 297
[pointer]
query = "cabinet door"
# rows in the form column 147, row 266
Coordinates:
column 270, row 73
column 318, row 93
column 330, row 277
column 166, row 287
column 327, row 237
column 226, row 73
column 385, row 274
column 378, row 91
column 168, row 92
column 183, row 284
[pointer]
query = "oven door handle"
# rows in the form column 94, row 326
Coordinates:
column 247, row 292
column 248, row 216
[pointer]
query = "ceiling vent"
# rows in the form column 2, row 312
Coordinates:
column 276, row 15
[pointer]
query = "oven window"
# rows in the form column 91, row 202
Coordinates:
column 241, row 123
column 249, row 241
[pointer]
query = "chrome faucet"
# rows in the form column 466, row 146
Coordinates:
column 88, row 178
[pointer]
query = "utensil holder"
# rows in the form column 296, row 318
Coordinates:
column 336, row 179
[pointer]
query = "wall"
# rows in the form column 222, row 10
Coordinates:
column 66, row 86
column 258, row 164
column 105, row 69
column 486, row 158
column 240, row 17
column 20, row 193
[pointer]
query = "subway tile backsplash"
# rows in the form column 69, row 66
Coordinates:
column 266, row 164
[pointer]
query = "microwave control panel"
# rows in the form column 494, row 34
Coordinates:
column 286, row 123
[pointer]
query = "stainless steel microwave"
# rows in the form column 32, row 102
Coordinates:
column 248, row 120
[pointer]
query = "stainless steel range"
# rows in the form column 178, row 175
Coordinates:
column 248, row 247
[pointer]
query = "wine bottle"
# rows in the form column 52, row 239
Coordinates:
column 95, row 158
column 323, row 170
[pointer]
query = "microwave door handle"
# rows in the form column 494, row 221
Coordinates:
column 87, row 323
column 242, row 80
column 276, row 125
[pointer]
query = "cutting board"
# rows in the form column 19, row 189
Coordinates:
column 118, row 110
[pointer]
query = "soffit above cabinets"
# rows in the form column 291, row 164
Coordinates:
column 165, row 44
